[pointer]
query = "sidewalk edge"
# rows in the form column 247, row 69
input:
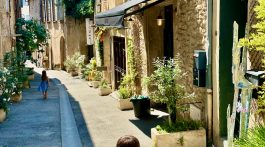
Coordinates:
column 69, row 132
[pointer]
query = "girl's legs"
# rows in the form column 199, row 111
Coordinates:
column 45, row 95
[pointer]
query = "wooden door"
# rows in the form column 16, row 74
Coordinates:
column 119, row 59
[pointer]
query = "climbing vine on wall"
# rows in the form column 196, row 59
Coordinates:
column 99, row 33
column 101, row 51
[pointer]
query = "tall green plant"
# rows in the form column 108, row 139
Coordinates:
column 163, row 85
column 79, row 8
column 254, row 138
column 128, row 81
column 33, row 35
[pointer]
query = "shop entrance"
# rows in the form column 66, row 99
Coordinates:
column 119, row 59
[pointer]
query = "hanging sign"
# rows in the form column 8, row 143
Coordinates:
column 89, row 31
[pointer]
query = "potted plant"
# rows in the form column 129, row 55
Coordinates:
column 25, row 81
column 16, row 95
column 73, row 64
column 96, row 80
column 30, row 73
column 141, row 106
column 104, row 88
column 3, row 107
column 164, row 88
column 5, row 90
column 124, row 99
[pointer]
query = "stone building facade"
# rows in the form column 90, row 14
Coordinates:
column 7, row 25
column 67, row 34
column 189, row 33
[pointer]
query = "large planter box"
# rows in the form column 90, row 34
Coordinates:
column 16, row 98
column 104, row 91
column 194, row 138
column 2, row 115
column 125, row 104
column 94, row 84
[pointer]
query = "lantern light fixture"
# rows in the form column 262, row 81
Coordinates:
column 159, row 19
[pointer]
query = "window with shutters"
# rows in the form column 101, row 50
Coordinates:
column 54, row 10
column 43, row 9
column 7, row 5
column 49, row 10
column 60, row 12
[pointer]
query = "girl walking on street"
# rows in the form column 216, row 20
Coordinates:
column 43, row 87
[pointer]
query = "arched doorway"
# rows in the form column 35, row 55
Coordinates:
column 62, row 52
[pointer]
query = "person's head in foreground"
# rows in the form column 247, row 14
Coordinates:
column 128, row 141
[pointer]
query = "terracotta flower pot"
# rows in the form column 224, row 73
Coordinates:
column 26, row 84
column 16, row 98
column 2, row 115
column 31, row 77
column 74, row 73
column 125, row 104
column 104, row 91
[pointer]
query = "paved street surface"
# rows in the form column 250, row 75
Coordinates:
column 33, row 122
column 100, row 122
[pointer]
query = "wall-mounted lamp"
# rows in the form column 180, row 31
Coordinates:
column 159, row 19
column 98, row 7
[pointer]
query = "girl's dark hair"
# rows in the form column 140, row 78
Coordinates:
column 128, row 141
column 44, row 76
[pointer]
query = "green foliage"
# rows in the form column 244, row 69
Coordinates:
column 127, row 85
column 124, row 93
column 29, row 71
column 163, row 85
column 254, row 138
column 98, row 76
column 75, row 62
column 104, row 84
column 33, row 34
column 79, row 8
column 7, row 85
column 85, row 8
column 101, row 52
column 183, row 125
column 87, row 69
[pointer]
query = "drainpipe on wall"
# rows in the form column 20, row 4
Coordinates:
column 209, row 70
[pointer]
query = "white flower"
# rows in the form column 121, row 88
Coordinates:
column 6, row 91
column 8, row 99
column 4, row 99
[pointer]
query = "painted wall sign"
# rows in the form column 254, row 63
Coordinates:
column 89, row 31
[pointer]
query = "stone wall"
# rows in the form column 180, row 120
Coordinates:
column 7, row 26
column 66, row 38
column 190, row 23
